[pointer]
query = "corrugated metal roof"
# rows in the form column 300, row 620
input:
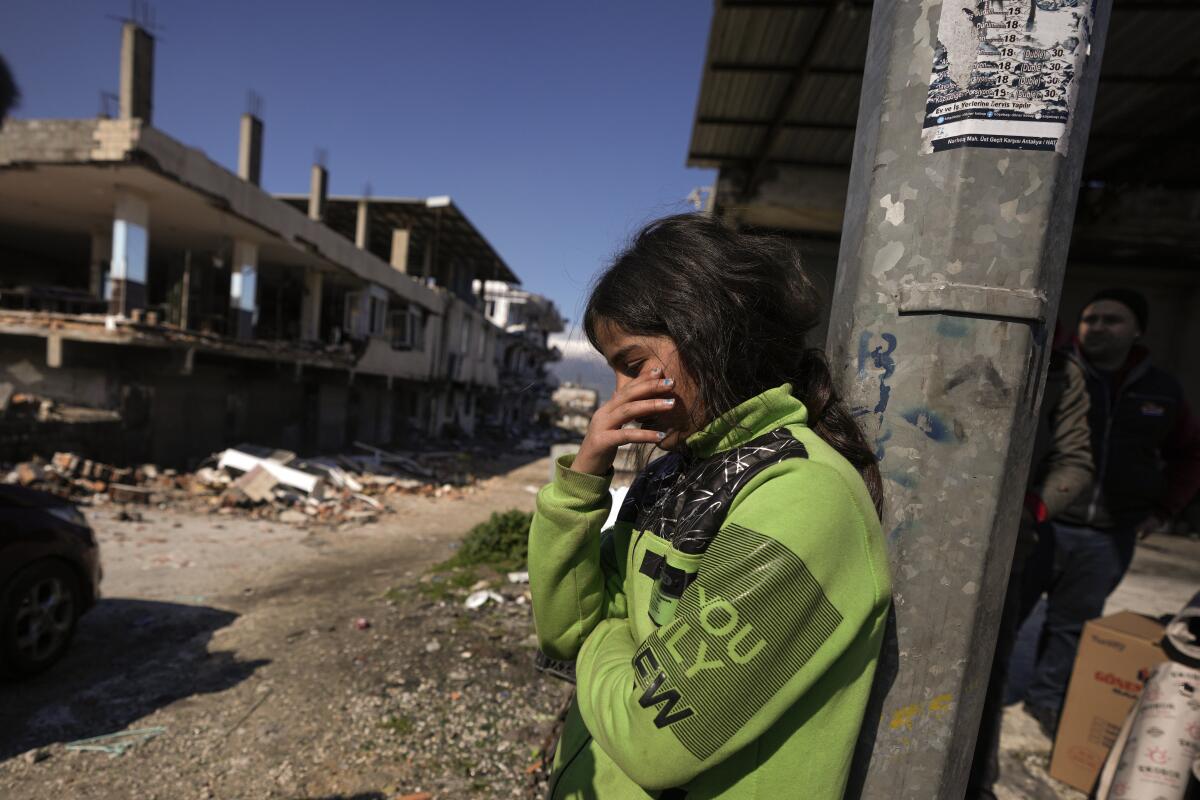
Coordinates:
column 426, row 220
column 771, row 94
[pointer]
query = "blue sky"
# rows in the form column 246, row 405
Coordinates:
column 558, row 127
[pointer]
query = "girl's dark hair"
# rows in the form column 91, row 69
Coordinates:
column 737, row 306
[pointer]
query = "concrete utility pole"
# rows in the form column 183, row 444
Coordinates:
column 970, row 142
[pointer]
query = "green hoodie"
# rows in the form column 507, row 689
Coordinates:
column 755, row 683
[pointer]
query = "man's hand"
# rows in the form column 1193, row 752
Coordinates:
column 1151, row 524
column 638, row 398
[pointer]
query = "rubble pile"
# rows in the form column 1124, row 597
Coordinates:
column 24, row 405
column 259, row 481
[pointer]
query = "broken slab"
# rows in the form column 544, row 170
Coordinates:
column 244, row 462
column 257, row 485
column 124, row 493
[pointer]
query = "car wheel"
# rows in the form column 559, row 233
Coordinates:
column 38, row 612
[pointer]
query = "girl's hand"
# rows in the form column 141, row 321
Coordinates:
column 638, row 398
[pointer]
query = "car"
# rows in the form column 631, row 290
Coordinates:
column 49, row 576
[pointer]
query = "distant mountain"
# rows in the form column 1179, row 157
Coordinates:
column 581, row 364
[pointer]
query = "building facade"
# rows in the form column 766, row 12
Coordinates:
column 143, row 279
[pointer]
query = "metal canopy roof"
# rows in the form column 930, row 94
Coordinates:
column 436, row 219
column 782, row 80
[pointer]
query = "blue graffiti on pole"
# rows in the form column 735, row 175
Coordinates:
column 901, row 528
column 928, row 422
column 880, row 359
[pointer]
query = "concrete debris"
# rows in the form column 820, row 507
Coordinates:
column 343, row 490
column 481, row 598
column 123, row 493
column 405, row 463
column 23, row 405
column 257, row 485
column 37, row 754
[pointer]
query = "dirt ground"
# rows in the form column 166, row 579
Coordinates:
column 261, row 660
column 235, row 643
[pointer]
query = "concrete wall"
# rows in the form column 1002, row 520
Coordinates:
column 88, row 382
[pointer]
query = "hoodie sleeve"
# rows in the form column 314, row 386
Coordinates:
column 790, row 584
column 575, row 572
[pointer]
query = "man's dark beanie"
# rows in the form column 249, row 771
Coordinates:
column 1133, row 300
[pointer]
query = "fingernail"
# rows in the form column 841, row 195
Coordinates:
column 670, row 401
column 668, row 382
column 662, row 435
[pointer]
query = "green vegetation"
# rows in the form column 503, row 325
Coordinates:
column 443, row 587
column 502, row 542
column 499, row 545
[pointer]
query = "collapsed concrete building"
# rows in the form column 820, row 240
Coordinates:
column 196, row 310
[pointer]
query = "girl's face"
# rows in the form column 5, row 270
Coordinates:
column 632, row 357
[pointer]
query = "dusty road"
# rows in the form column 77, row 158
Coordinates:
column 238, row 640
column 232, row 644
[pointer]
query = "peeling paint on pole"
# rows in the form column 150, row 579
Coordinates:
column 948, row 281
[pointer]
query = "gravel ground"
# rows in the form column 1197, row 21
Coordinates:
column 242, row 642
column 429, row 696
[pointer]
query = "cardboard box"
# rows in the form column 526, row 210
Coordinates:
column 1116, row 654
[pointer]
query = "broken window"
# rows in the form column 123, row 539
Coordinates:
column 406, row 328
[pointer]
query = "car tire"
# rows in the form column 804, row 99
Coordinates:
column 38, row 612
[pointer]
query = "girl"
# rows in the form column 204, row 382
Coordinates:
column 725, row 630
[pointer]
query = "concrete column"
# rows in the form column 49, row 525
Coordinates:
column 953, row 248
column 54, row 351
column 130, row 251
column 400, row 249
column 243, row 289
column 250, row 142
column 318, row 192
column 137, row 72
column 310, row 306
column 362, row 225
column 101, row 255
column 427, row 263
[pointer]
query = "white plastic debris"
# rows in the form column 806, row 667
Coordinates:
column 480, row 598
column 244, row 462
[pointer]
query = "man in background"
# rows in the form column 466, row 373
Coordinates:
column 1146, row 447
column 1061, row 470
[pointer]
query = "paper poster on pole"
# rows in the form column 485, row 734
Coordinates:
column 1005, row 74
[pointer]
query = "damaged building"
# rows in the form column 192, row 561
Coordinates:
column 156, row 306
column 528, row 320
